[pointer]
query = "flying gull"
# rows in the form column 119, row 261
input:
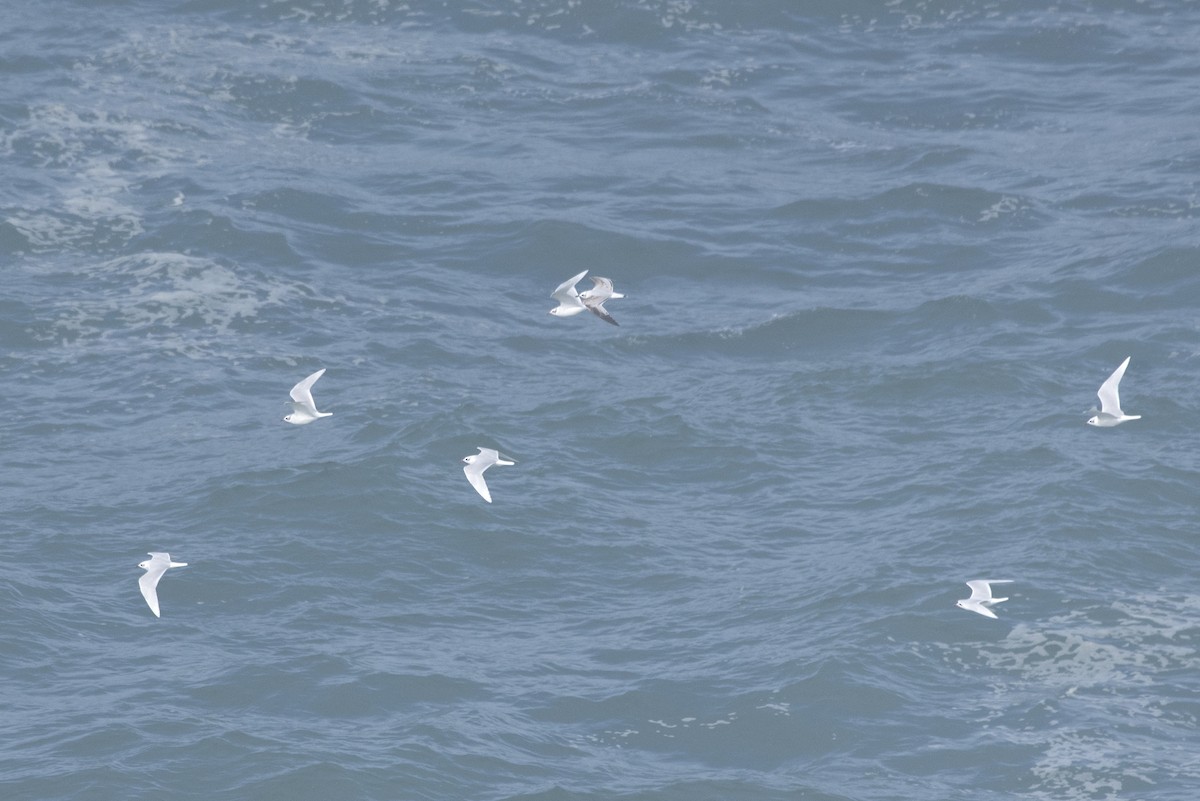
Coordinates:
column 155, row 566
column 304, row 408
column 1110, row 402
column 981, row 597
column 476, row 463
column 569, row 301
column 594, row 298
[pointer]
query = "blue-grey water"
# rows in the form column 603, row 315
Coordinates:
column 878, row 258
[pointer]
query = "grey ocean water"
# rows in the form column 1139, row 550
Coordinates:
column 878, row 258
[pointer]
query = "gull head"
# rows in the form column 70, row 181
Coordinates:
column 302, row 417
column 563, row 310
column 979, row 607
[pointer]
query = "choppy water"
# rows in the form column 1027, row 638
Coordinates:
column 878, row 257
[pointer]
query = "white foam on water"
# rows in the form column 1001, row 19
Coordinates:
column 1082, row 673
column 166, row 296
column 84, row 199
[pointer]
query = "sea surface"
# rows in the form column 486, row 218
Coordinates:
column 877, row 256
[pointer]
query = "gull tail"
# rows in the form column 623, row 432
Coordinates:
column 998, row 600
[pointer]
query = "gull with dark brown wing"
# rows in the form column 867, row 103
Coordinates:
column 595, row 297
